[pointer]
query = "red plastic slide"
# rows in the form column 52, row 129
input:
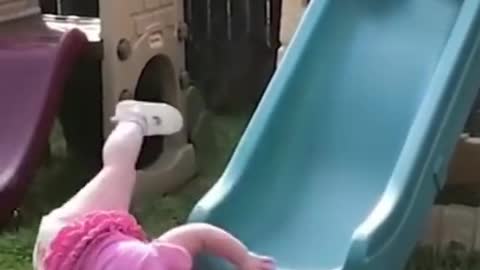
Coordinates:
column 35, row 62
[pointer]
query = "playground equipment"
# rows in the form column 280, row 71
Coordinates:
column 137, row 46
column 144, row 38
column 29, row 49
column 381, row 91
column 457, row 223
column 122, row 50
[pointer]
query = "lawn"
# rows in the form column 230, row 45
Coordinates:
column 63, row 175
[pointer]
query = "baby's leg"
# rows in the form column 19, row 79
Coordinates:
column 112, row 187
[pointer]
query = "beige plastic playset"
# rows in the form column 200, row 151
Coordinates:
column 131, row 39
column 136, row 34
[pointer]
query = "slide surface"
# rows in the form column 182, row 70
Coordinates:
column 341, row 162
column 34, row 63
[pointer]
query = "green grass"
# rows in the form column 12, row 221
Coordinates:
column 62, row 176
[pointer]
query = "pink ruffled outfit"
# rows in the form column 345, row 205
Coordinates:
column 88, row 232
column 109, row 240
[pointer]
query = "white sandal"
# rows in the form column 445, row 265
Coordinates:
column 155, row 118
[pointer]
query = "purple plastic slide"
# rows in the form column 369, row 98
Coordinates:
column 35, row 62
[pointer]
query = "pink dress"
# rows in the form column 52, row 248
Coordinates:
column 104, row 240
column 61, row 245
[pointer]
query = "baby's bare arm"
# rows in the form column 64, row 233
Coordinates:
column 197, row 237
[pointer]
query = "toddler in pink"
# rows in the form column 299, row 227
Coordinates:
column 94, row 230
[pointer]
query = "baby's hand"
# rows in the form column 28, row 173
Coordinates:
column 257, row 262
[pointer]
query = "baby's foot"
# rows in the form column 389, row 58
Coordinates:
column 257, row 262
column 154, row 118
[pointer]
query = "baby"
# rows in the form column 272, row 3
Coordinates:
column 94, row 230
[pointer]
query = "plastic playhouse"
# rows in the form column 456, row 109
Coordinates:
column 39, row 55
column 348, row 147
column 85, row 56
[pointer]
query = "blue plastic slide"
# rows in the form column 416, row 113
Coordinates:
column 341, row 161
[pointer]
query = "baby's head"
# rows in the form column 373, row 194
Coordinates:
column 137, row 255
